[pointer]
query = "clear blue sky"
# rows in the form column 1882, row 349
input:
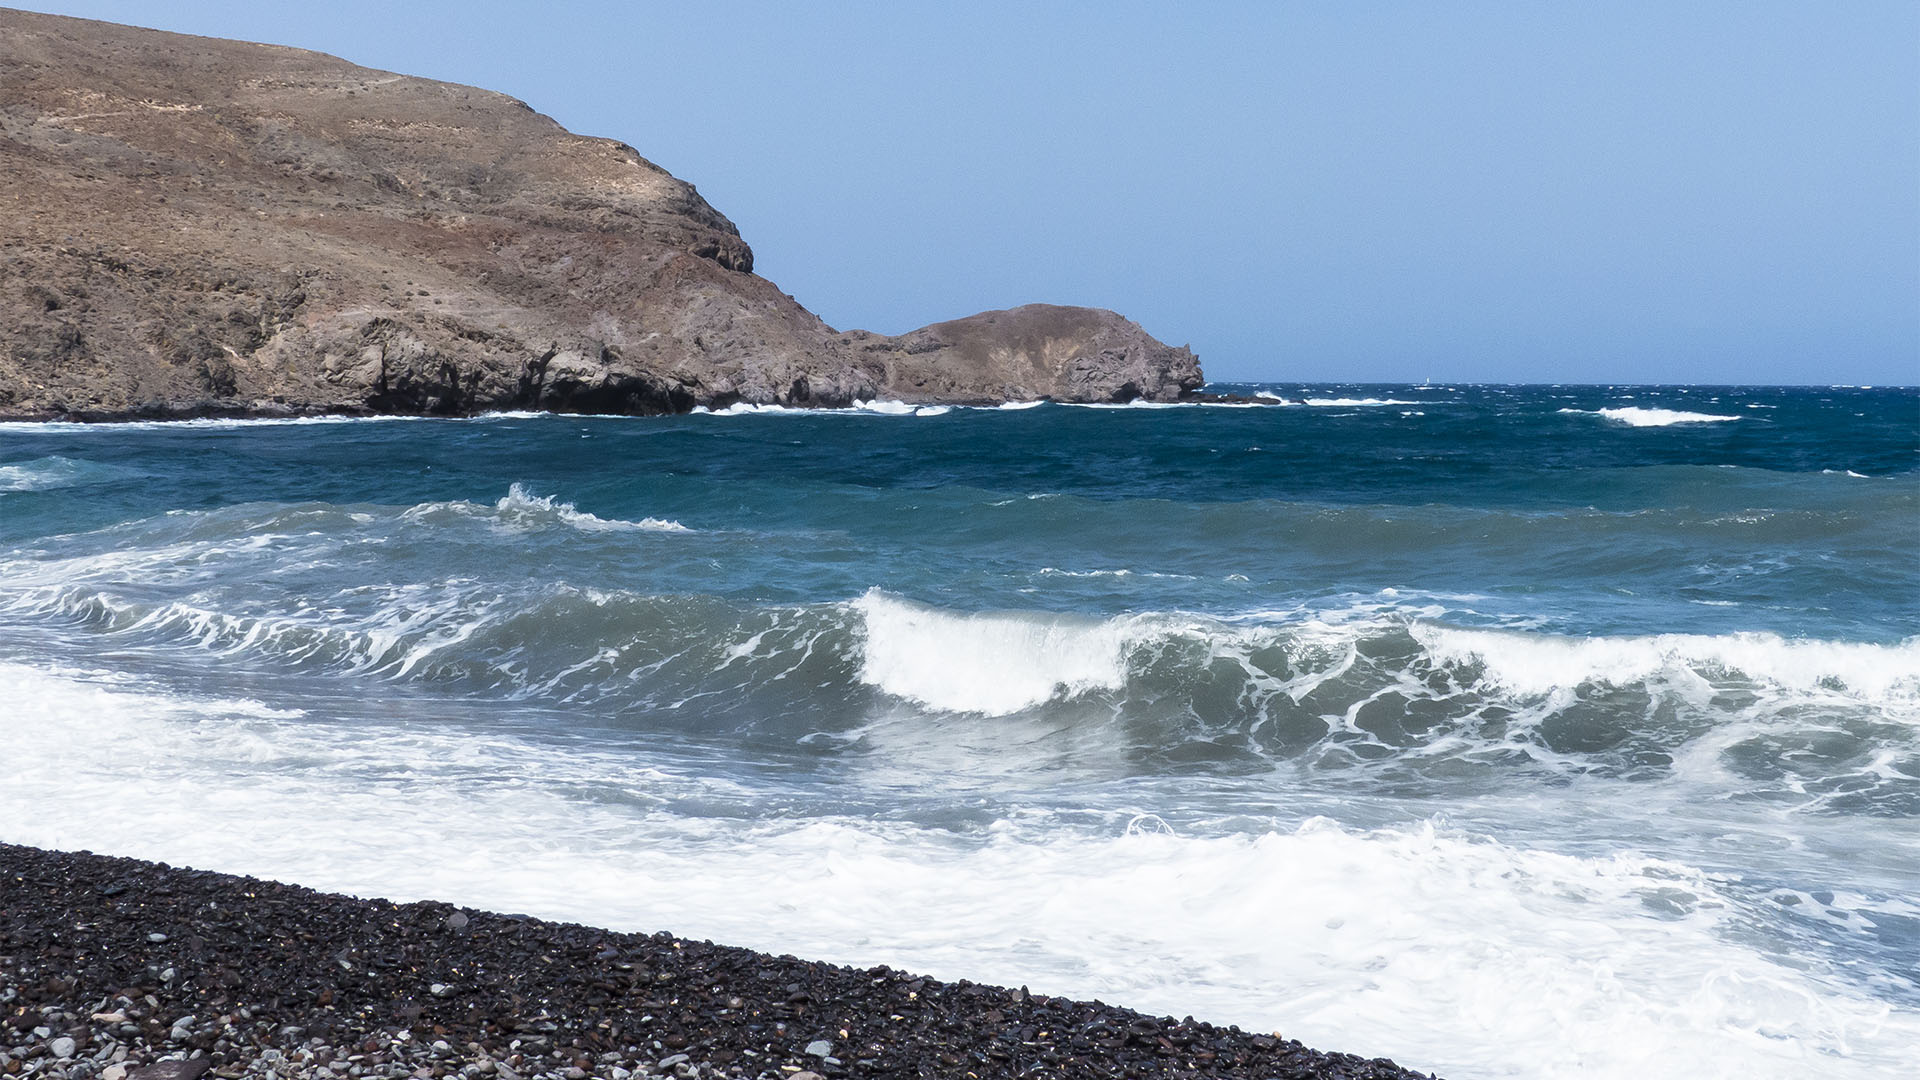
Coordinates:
column 1567, row 192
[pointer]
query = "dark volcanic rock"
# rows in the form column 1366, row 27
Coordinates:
column 192, row 226
column 135, row 962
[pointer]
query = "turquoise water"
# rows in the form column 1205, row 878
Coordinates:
column 1504, row 730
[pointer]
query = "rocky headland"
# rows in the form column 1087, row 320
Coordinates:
column 193, row 226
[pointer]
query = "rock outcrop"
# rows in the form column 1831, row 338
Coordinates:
column 192, row 226
column 1036, row 351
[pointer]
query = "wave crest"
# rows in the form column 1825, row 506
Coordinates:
column 1540, row 664
column 1636, row 416
column 996, row 663
column 520, row 510
column 1370, row 688
column 876, row 407
column 55, row 472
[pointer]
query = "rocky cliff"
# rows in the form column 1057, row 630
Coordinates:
column 191, row 226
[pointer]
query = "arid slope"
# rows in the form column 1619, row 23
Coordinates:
column 191, row 225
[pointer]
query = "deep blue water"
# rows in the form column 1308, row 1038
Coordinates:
column 1354, row 718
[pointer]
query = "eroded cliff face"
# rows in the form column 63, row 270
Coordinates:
column 191, row 225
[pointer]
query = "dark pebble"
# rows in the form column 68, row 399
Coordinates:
column 276, row 971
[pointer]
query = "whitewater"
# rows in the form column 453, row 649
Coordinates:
column 1502, row 730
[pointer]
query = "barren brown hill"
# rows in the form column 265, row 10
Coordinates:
column 194, row 226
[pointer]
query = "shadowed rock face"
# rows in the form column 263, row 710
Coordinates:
column 191, row 225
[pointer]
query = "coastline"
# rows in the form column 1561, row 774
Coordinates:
column 149, row 414
column 230, row 227
column 131, row 970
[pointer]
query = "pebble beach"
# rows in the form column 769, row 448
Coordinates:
column 120, row 969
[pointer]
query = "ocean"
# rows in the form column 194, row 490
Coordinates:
column 1542, row 731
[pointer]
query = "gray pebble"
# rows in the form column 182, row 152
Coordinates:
column 62, row 1047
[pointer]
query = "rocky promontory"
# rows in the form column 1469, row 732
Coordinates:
column 193, row 226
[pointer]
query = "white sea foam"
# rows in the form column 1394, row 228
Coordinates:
column 883, row 407
column 876, row 407
column 1333, row 402
column 412, row 624
column 518, row 414
column 1439, row 946
column 991, row 662
column 521, row 506
column 1538, row 663
column 748, row 408
column 66, row 427
column 1635, row 416
column 33, row 475
column 51, row 473
column 520, row 510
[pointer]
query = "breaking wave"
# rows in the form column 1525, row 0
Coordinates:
column 55, row 472
column 1831, row 726
column 1335, row 402
column 206, row 423
column 1581, row 965
column 1613, row 736
column 877, row 407
column 994, row 663
column 1540, row 664
column 520, row 509
column 1635, row 416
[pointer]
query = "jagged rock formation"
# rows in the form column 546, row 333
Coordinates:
column 192, row 225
